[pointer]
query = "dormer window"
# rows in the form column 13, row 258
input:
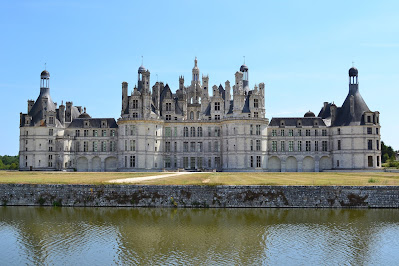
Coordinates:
column 256, row 103
column 217, row 106
column 299, row 123
column 135, row 104
column 87, row 124
column 51, row 120
column 103, row 123
column 168, row 107
column 282, row 123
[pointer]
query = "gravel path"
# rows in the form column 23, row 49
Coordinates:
column 145, row 178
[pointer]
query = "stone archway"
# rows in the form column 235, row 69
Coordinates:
column 111, row 164
column 291, row 164
column 308, row 164
column 82, row 164
column 274, row 164
column 325, row 163
column 96, row 164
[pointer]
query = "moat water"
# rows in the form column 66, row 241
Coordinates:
column 156, row 236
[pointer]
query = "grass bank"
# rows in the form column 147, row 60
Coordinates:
column 223, row 178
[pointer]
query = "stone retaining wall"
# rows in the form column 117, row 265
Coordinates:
column 199, row 196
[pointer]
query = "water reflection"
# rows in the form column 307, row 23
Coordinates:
column 35, row 235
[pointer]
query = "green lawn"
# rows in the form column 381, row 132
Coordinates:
column 223, row 178
column 16, row 177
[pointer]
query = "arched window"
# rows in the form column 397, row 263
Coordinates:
column 185, row 132
column 192, row 132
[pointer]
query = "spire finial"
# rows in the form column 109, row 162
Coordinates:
column 84, row 108
column 142, row 60
column 244, row 59
column 195, row 61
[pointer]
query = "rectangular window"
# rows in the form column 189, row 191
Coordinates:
column 192, row 162
column 50, row 132
column 126, row 130
column 167, row 162
column 217, row 131
column 378, row 161
column 112, row 146
column 168, row 117
column 168, row 131
column 291, row 132
column 200, row 146
column 252, row 161
column 256, row 114
column 185, row 162
column 95, row 146
column 274, row 145
column 167, row 146
column 258, row 145
column 274, row 133
column 77, row 133
column 315, row 132
column 377, row 144
column 316, row 146
column 251, row 129
column 324, row 132
column 217, row 106
column 370, row 144
column 199, row 162
column 216, row 146
column 307, row 132
column 209, row 131
column 324, row 145
column 132, row 161
column 103, row 146
column 175, row 146
column 282, row 145
column 282, row 132
column 113, row 132
column 291, row 145
column 299, row 145
column 85, row 146
column 370, row 161
column 135, row 104
column 217, row 117
column 51, row 120
column 132, row 145
column 258, row 130
column 185, row 132
column 299, row 132
column 185, row 146
column 209, row 146
column 256, row 103
column 125, row 145
column 95, row 133
column 77, row 146
column 175, row 131
column 376, row 131
column 368, row 119
column 258, row 162
column 369, row 130
column 132, row 130
column 168, row 106
column 135, row 115
column 125, row 161
column 104, row 133
column 192, row 146
column 339, row 144
column 86, row 132
column 307, row 145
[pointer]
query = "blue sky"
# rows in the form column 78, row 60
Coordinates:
column 301, row 50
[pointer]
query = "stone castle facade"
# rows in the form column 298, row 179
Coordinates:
column 190, row 129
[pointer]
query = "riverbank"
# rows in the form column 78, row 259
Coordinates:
column 200, row 196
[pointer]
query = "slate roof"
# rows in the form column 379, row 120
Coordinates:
column 292, row 121
column 344, row 116
column 37, row 109
column 246, row 109
column 222, row 91
column 94, row 122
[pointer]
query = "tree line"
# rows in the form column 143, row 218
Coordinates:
column 9, row 162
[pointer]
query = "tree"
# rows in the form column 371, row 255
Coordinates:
column 387, row 153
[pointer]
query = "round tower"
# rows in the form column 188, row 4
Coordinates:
column 244, row 70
